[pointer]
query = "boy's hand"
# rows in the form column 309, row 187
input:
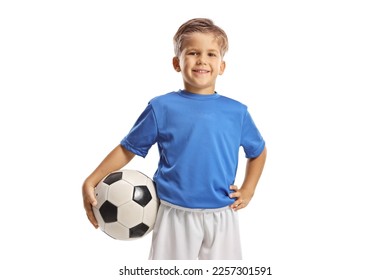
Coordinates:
column 89, row 201
column 242, row 196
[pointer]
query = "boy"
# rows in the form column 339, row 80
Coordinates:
column 198, row 133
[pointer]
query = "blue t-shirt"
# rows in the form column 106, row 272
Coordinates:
column 198, row 137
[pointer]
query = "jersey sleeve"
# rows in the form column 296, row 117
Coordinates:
column 143, row 134
column 251, row 139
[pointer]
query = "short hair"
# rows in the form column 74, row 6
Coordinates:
column 202, row 25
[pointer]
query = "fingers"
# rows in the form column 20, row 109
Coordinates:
column 89, row 212
column 92, row 219
column 89, row 202
column 89, row 195
column 238, row 204
column 240, row 201
column 236, row 192
column 242, row 198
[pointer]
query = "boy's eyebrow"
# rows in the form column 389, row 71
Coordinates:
column 196, row 49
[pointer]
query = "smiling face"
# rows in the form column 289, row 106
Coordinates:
column 200, row 62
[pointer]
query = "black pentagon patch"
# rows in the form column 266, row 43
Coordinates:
column 113, row 177
column 138, row 231
column 141, row 195
column 109, row 212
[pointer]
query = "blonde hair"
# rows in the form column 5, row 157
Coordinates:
column 202, row 25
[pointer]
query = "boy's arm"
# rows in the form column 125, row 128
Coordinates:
column 254, row 168
column 115, row 160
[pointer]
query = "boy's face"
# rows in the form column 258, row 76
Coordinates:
column 200, row 63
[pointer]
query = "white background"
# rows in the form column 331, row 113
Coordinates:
column 74, row 75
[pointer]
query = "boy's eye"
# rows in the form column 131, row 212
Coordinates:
column 212, row 54
column 193, row 53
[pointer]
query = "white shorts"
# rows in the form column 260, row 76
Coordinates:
column 189, row 234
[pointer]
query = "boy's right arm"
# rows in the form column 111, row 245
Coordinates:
column 115, row 160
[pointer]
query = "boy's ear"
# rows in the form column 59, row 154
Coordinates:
column 176, row 64
column 222, row 67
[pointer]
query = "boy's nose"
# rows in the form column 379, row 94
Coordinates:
column 201, row 60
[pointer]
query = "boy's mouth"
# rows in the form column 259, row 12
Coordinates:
column 201, row 71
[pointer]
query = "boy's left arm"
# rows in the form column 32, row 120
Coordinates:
column 254, row 168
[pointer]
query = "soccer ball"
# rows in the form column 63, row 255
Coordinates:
column 127, row 204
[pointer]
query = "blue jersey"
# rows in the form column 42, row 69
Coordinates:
column 198, row 137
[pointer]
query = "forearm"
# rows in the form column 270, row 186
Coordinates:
column 115, row 160
column 254, row 169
